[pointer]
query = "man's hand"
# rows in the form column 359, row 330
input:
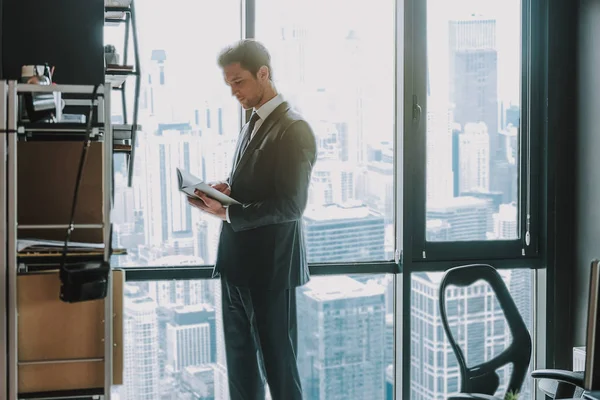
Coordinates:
column 208, row 205
column 222, row 187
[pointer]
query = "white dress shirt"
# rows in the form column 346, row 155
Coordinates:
column 263, row 112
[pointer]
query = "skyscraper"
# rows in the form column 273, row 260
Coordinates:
column 439, row 158
column 474, row 158
column 473, row 83
column 141, row 346
column 340, row 233
column 191, row 335
column 467, row 218
column 340, row 352
column 221, row 381
column 506, row 222
column 477, row 322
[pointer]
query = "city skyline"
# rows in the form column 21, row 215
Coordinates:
column 174, row 345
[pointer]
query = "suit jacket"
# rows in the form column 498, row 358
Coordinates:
column 264, row 246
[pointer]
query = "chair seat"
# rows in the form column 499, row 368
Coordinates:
column 472, row 396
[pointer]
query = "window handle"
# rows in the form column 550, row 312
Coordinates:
column 416, row 110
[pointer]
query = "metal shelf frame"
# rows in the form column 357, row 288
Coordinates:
column 3, row 248
column 129, row 20
column 9, row 92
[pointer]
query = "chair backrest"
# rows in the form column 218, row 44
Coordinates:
column 483, row 378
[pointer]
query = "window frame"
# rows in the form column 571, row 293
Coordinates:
column 383, row 266
column 415, row 139
column 393, row 266
column 410, row 186
column 410, row 144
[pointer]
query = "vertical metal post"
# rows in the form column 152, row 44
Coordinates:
column 126, row 38
column 3, row 233
column 540, row 315
column 11, row 240
column 107, row 152
column 128, row 18
column 136, row 94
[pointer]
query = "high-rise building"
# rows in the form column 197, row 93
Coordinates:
column 180, row 292
column 191, row 335
column 473, row 79
column 201, row 240
column 389, row 339
column 197, row 383
column 513, row 116
column 376, row 187
column 437, row 230
column 507, row 166
column 477, row 321
column 333, row 181
column 474, row 158
column 389, row 382
column 506, row 222
column 521, row 290
column 339, row 233
column 221, row 381
column 341, row 330
column 439, row 176
column 141, row 346
column 467, row 217
column 169, row 217
column 494, row 200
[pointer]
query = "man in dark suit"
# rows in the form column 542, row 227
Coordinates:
column 262, row 254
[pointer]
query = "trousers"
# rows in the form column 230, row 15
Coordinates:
column 261, row 342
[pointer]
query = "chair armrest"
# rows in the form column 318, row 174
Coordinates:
column 472, row 396
column 574, row 378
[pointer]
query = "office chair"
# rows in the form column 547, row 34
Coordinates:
column 566, row 385
column 481, row 381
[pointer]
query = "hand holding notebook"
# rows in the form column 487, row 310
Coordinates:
column 188, row 183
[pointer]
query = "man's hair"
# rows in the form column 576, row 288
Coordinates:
column 249, row 53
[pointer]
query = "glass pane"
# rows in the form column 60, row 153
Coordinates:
column 473, row 119
column 174, row 346
column 337, row 68
column 477, row 322
column 189, row 120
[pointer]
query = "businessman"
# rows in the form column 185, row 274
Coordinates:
column 261, row 257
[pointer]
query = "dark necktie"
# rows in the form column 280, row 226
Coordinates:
column 248, row 136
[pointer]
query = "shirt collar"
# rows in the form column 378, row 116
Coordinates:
column 266, row 109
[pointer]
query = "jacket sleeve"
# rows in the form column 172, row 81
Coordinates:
column 295, row 160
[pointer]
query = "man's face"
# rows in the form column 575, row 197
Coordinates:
column 247, row 88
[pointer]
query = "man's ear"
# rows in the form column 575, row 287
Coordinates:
column 263, row 73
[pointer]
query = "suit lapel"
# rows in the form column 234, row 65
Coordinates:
column 264, row 129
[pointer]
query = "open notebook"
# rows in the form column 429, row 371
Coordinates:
column 188, row 183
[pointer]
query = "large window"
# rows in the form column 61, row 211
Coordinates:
column 473, row 119
column 174, row 347
column 337, row 68
column 431, row 155
column 189, row 120
column 321, row 61
column 472, row 139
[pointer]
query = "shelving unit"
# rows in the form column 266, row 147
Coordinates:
column 56, row 349
column 122, row 12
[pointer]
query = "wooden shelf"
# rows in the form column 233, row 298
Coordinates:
column 60, row 345
column 48, row 170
